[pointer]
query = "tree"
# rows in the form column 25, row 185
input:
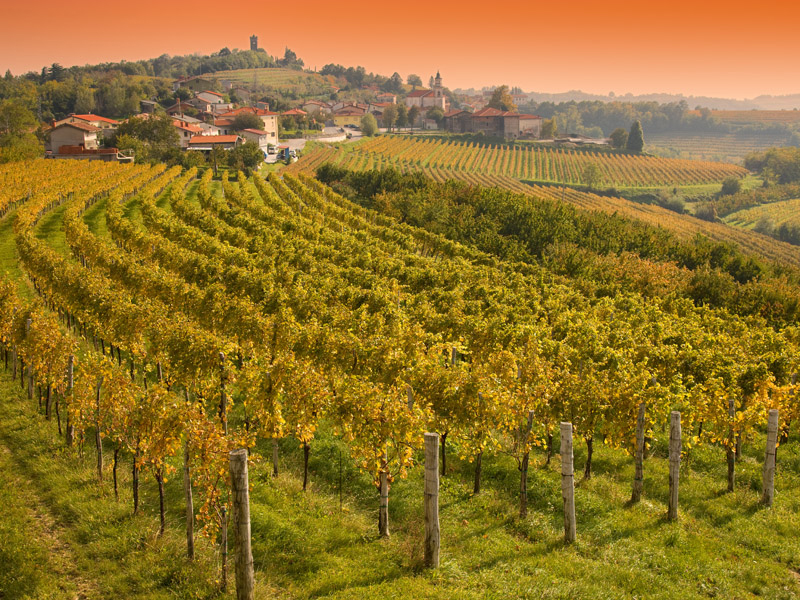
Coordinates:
column 436, row 114
column 389, row 116
column 619, row 138
column 501, row 100
column 402, row 116
column 17, row 141
column 369, row 126
column 413, row 114
column 731, row 185
column 393, row 84
column 549, row 129
column 591, row 175
column 158, row 134
column 245, row 157
column 414, row 81
column 635, row 138
column 247, row 120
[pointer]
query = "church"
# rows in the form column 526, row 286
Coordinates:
column 425, row 99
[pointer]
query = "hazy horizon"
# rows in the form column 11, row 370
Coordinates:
column 717, row 50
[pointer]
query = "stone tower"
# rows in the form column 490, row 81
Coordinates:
column 253, row 42
column 438, row 92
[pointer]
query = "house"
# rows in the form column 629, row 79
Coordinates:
column 210, row 97
column 349, row 115
column 296, row 114
column 426, row 99
column 196, row 84
column 187, row 131
column 259, row 137
column 179, row 108
column 270, row 120
column 242, row 94
column 76, row 134
column 148, row 106
column 224, row 126
column 315, row 106
column 345, row 103
column 206, row 143
column 107, row 126
column 387, row 97
column 493, row 122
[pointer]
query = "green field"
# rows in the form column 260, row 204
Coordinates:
column 775, row 213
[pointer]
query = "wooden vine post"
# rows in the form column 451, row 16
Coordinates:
column 70, row 388
column 29, row 368
column 187, row 490
column 383, row 512
column 769, row 459
column 98, row 442
column 568, row 483
column 240, row 494
column 432, row 500
column 523, row 467
column 730, row 450
column 638, row 477
column 674, row 463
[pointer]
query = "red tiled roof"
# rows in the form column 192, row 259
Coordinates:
column 213, row 139
column 82, row 126
column 454, row 112
column 527, row 117
column 188, row 127
column 294, row 112
column 210, row 92
column 255, row 131
column 315, row 102
column 223, row 122
column 419, row 93
column 91, row 117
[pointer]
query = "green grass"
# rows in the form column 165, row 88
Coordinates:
column 304, row 546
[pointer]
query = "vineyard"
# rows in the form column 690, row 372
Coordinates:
column 291, row 80
column 177, row 319
column 776, row 213
column 754, row 116
column 525, row 162
column 683, row 225
column 723, row 147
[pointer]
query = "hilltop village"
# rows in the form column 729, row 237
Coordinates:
column 211, row 111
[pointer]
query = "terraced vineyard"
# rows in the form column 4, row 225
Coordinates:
column 727, row 147
column 684, row 225
column 776, row 213
column 527, row 162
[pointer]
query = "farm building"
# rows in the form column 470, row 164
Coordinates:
column 208, row 142
column 425, row 99
column 349, row 115
column 493, row 122
column 75, row 133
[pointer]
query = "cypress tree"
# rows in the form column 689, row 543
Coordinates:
column 635, row 138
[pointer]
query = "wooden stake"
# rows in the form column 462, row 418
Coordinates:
column 729, row 448
column 769, row 459
column 523, row 467
column 187, row 490
column 674, row 463
column 638, row 478
column 568, row 483
column 245, row 578
column 97, row 441
column 274, row 457
column 383, row 512
column 432, row 500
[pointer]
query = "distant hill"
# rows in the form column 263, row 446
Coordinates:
column 789, row 102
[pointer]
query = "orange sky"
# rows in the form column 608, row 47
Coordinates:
column 731, row 49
